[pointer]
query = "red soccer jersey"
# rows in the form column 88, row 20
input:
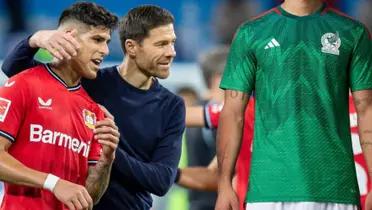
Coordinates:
column 244, row 158
column 360, row 164
column 50, row 126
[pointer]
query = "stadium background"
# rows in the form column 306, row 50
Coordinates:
column 196, row 33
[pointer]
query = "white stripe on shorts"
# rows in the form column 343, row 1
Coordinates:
column 299, row 206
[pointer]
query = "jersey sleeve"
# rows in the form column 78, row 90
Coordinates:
column 95, row 146
column 240, row 67
column 212, row 114
column 361, row 63
column 13, row 97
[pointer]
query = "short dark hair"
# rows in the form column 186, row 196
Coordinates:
column 213, row 62
column 90, row 14
column 140, row 20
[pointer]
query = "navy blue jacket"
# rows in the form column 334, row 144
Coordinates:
column 151, row 123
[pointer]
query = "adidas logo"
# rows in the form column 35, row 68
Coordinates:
column 273, row 43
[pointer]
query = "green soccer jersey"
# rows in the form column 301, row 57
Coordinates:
column 301, row 70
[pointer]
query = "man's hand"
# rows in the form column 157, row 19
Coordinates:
column 74, row 196
column 108, row 135
column 227, row 198
column 61, row 44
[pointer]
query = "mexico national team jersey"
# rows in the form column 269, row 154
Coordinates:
column 50, row 127
column 301, row 69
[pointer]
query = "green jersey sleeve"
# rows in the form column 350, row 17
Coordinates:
column 361, row 63
column 240, row 68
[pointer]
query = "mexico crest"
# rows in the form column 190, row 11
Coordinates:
column 89, row 118
column 331, row 43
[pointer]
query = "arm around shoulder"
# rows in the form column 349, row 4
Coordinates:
column 21, row 57
column 62, row 45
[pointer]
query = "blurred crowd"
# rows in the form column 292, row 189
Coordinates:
column 200, row 25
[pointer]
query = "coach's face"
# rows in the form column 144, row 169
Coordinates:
column 156, row 52
column 93, row 48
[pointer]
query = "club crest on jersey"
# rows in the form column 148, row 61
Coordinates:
column 331, row 43
column 89, row 118
column 4, row 108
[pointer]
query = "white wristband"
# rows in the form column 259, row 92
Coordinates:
column 50, row 182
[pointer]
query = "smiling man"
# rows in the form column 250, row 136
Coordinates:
column 150, row 118
column 50, row 141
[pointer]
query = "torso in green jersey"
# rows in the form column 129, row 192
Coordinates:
column 301, row 69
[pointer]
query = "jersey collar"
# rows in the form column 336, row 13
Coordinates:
column 59, row 79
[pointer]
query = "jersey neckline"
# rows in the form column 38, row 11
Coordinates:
column 60, row 80
column 313, row 15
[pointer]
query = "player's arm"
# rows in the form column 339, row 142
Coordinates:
column 195, row 116
column 61, row 44
column 98, row 178
column 157, row 175
column 12, row 171
column 238, row 79
column 199, row 178
column 360, row 80
column 229, row 137
column 363, row 105
column 203, row 116
column 19, row 58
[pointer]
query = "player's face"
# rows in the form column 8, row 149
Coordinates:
column 93, row 48
column 156, row 52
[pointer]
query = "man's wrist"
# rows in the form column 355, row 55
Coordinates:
column 178, row 176
column 32, row 42
column 107, row 160
column 225, row 179
column 50, row 182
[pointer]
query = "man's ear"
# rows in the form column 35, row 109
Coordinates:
column 131, row 47
column 72, row 31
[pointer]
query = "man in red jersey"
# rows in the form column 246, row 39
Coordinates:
column 51, row 131
column 206, row 178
